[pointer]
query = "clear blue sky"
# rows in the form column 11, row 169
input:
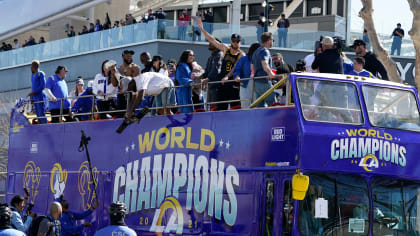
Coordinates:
column 387, row 13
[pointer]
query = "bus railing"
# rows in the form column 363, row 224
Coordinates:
column 93, row 111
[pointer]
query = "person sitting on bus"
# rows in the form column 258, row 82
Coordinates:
column 358, row 64
column 84, row 103
column 117, row 213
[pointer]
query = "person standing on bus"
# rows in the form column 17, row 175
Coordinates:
column 261, row 65
column 117, row 213
column 37, row 94
column 228, row 91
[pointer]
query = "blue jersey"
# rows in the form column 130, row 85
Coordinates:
column 83, row 104
column 11, row 232
column 38, row 85
column 363, row 73
column 116, row 230
column 59, row 89
column 68, row 222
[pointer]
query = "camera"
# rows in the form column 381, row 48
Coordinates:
column 339, row 43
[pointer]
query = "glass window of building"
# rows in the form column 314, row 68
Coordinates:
column 314, row 7
column 254, row 11
column 220, row 14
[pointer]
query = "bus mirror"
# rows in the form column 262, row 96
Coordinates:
column 300, row 184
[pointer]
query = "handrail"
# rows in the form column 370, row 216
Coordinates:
column 165, row 105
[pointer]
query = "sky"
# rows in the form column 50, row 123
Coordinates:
column 387, row 13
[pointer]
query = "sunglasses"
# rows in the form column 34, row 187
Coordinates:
column 236, row 40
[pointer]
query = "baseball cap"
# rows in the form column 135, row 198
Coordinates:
column 60, row 68
column 128, row 52
column 157, row 58
column 358, row 42
column 327, row 40
column 80, row 81
column 235, row 36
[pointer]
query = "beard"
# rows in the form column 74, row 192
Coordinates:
column 128, row 61
column 234, row 47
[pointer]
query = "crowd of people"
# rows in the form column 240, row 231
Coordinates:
column 16, row 44
column 223, row 83
column 60, row 220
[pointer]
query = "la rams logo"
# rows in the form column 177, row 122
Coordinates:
column 31, row 179
column 58, row 180
column 368, row 162
column 86, row 184
column 177, row 215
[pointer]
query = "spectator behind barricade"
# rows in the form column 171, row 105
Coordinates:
column 365, row 38
column 84, row 103
column 122, row 22
column 70, row 33
column 84, row 30
column 330, row 60
column 372, row 64
column 183, row 78
column 16, row 44
column 57, row 91
column 42, row 40
column 196, row 33
column 98, row 26
column 196, row 76
column 309, row 59
column 283, row 27
column 146, row 60
column 37, row 94
column 6, row 229
column 183, row 21
column 260, row 26
column 151, row 84
column 116, row 24
column 50, row 225
column 17, row 205
column 150, row 16
column 78, row 89
column 68, row 219
column 158, row 65
column 105, row 88
column 208, row 21
column 397, row 35
column 129, row 19
column 358, row 64
column 117, row 213
column 228, row 91
column 31, row 41
column 161, row 16
column 91, row 28
column 300, row 66
column 242, row 70
column 261, row 65
column 211, row 73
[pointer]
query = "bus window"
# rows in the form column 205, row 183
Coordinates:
column 329, row 101
column 347, row 205
column 269, row 208
column 395, row 207
column 287, row 209
column 391, row 108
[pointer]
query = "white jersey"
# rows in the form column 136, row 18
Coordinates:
column 152, row 83
column 100, row 84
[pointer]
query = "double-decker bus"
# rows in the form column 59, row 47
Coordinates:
column 231, row 172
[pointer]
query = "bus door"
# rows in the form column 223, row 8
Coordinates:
column 277, row 205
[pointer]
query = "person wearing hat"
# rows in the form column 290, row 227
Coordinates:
column 117, row 214
column 78, row 89
column 37, row 94
column 232, row 53
column 84, row 103
column 398, row 34
column 128, row 68
column 329, row 61
column 372, row 64
column 57, row 91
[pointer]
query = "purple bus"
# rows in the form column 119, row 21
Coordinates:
column 230, row 172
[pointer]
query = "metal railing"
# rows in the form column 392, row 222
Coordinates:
column 93, row 111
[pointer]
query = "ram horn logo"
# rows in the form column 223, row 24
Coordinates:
column 366, row 164
column 86, row 185
column 31, row 179
column 58, row 180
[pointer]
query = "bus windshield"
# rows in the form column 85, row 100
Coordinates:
column 329, row 101
column 346, row 206
column 395, row 207
column 391, row 108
